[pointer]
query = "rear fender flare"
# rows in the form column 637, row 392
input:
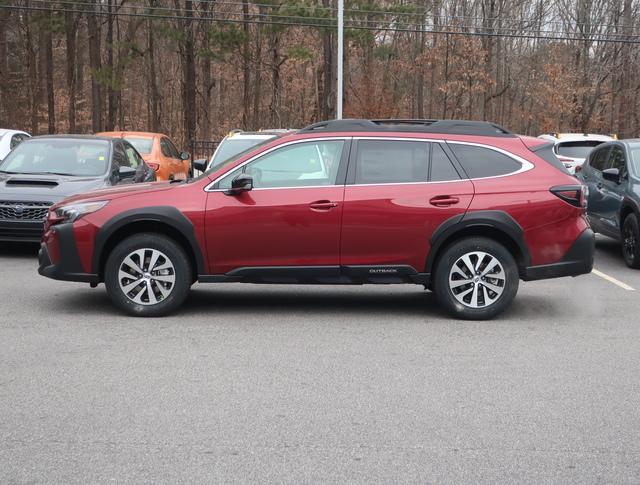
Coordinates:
column 496, row 220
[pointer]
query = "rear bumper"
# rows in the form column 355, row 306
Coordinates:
column 67, row 267
column 21, row 231
column 577, row 261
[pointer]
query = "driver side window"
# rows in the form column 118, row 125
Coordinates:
column 617, row 160
column 300, row 165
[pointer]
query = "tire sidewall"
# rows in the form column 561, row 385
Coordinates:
column 180, row 263
column 632, row 221
column 451, row 254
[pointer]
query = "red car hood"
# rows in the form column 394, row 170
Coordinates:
column 116, row 192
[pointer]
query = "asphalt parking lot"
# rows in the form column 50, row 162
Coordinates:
column 320, row 384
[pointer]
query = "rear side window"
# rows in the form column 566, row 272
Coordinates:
column 599, row 158
column 391, row 161
column 481, row 162
column 441, row 167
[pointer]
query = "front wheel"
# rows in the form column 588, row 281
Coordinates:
column 476, row 278
column 631, row 241
column 148, row 275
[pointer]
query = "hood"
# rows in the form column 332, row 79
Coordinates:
column 119, row 191
column 49, row 188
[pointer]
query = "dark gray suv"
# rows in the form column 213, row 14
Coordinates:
column 612, row 174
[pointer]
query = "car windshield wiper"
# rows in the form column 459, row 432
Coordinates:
column 7, row 171
column 48, row 173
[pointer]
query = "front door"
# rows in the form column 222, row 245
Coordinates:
column 291, row 218
column 398, row 192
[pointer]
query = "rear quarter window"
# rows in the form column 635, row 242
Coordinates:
column 480, row 162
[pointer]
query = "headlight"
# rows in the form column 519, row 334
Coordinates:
column 72, row 212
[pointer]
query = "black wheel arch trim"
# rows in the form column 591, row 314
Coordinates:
column 168, row 215
column 498, row 220
column 633, row 204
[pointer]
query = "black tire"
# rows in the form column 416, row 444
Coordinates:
column 631, row 241
column 157, row 304
column 450, row 284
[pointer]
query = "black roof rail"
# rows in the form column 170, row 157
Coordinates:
column 457, row 127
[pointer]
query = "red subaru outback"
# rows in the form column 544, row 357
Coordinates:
column 464, row 208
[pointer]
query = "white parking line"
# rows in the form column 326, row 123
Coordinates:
column 611, row 279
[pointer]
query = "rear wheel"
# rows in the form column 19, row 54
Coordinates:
column 148, row 275
column 631, row 241
column 476, row 278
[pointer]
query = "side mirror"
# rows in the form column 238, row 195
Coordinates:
column 184, row 156
column 126, row 172
column 242, row 183
column 200, row 164
column 611, row 174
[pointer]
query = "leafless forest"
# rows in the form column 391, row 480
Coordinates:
column 195, row 69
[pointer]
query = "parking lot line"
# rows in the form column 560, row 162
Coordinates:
column 611, row 279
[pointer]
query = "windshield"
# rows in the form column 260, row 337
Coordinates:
column 232, row 148
column 634, row 149
column 142, row 145
column 576, row 149
column 58, row 156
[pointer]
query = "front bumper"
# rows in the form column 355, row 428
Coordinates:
column 22, row 231
column 58, row 257
column 578, row 260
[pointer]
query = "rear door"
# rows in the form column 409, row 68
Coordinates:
column 398, row 192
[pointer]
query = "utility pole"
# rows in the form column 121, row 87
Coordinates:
column 340, row 60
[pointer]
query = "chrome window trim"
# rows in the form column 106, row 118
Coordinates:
column 525, row 164
column 209, row 188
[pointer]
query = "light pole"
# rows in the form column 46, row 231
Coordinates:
column 339, row 88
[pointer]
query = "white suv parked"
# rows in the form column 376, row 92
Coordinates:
column 9, row 139
column 572, row 149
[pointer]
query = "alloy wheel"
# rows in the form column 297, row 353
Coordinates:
column 146, row 276
column 477, row 279
column 629, row 243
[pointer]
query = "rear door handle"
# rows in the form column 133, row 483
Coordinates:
column 323, row 205
column 443, row 200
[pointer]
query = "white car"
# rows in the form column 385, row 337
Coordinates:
column 572, row 149
column 9, row 139
column 239, row 141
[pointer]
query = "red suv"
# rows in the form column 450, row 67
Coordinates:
column 464, row 208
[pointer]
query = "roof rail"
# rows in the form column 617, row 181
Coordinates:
column 457, row 127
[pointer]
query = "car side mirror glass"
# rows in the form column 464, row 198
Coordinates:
column 200, row 164
column 242, row 183
column 611, row 174
column 126, row 172
column 185, row 156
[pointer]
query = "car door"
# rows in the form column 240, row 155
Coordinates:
column 591, row 175
column 398, row 192
column 612, row 192
column 173, row 158
column 289, row 222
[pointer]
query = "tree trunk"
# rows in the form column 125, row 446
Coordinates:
column 112, row 101
column 95, row 63
column 51, row 108
column 246, row 69
column 70, row 31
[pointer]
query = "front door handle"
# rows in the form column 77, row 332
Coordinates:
column 323, row 205
column 444, row 200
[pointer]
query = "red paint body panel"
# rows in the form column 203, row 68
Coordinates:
column 272, row 227
column 393, row 224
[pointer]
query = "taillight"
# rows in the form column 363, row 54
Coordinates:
column 154, row 166
column 52, row 219
column 576, row 195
